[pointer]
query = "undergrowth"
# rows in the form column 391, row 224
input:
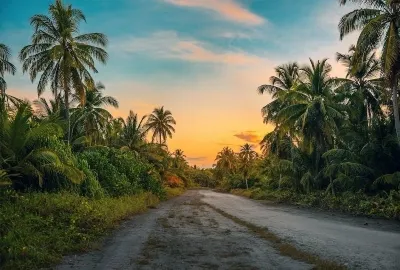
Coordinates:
column 174, row 192
column 37, row 229
column 382, row 206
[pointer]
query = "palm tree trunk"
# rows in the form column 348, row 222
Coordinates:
column 66, row 101
column 332, row 188
column 396, row 110
column 279, row 182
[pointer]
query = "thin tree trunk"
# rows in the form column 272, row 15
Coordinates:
column 67, row 116
column 279, row 182
column 396, row 110
column 247, row 185
column 332, row 189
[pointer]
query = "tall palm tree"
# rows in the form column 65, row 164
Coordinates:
column 378, row 21
column 90, row 111
column 113, row 131
column 179, row 158
column 286, row 77
column 5, row 67
column 226, row 160
column 277, row 144
column 161, row 123
column 134, row 132
column 247, row 156
column 362, row 82
column 62, row 55
column 312, row 111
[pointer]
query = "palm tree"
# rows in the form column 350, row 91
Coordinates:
column 5, row 67
column 286, row 77
column 25, row 156
column 90, row 112
column 247, row 156
column 113, row 131
column 378, row 21
column 362, row 82
column 161, row 123
column 277, row 144
column 313, row 112
column 179, row 158
column 178, row 153
column 134, row 132
column 48, row 109
column 62, row 54
column 226, row 160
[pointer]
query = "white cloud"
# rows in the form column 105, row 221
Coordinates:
column 168, row 44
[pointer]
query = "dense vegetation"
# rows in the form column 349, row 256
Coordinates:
column 336, row 140
column 69, row 170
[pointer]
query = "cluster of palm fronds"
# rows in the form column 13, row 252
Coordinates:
column 336, row 134
column 42, row 145
column 339, row 133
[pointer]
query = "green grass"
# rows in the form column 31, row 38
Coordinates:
column 37, row 229
column 174, row 192
column 383, row 206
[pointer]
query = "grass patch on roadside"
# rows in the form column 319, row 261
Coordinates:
column 387, row 206
column 37, row 229
column 286, row 249
column 174, row 192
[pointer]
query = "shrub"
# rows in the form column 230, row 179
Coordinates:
column 90, row 186
column 173, row 181
column 38, row 228
column 121, row 172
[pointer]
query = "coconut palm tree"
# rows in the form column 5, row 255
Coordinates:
column 24, row 153
column 134, row 133
column 5, row 67
column 247, row 157
column 378, row 21
column 226, row 160
column 313, row 112
column 179, row 158
column 48, row 108
column 90, row 112
column 62, row 55
column 362, row 82
column 286, row 77
column 113, row 131
column 161, row 123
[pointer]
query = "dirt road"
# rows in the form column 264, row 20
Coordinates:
column 186, row 233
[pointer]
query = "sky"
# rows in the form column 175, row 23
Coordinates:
column 201, row 59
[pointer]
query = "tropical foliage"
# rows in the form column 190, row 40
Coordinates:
column 5, row 67
column 69, row 149
column 331, row 135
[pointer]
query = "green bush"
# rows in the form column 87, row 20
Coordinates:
column 121, row 172
column 38, row 228
column 90, row 186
